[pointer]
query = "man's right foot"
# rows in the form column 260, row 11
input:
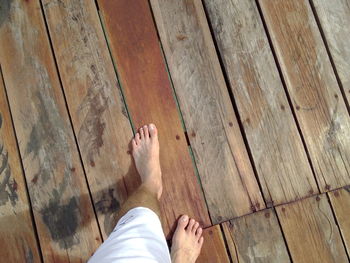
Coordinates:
column 187, row 241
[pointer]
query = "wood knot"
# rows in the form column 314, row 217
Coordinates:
column 336, row 96
column 283, row 209
column 282, row 107
column 193, row 134
column 72, row 169
column 318, row 198
column 181, row 37
column 328, row 187
column 311, row 192
column 267, row 214
column 219, row 218
column 230, row 123
column 247, row 121
column 92, row 163
column 128, row 152
column 336, row 194
column 297, row 107
column 177, row 137
column 210, row 232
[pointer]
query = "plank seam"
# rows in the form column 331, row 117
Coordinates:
column 69, row 116
column 233, row 102
column 226, row 244
column 323, row 36
column 287, row 95
column 337, row 223
column 284, row 237
column 23, row 173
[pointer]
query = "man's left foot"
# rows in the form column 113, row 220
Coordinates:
column 145, row 150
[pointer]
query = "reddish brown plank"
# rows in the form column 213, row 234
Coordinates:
column 64, row 217
column 213, row 249
column 95, row 103
column 281, row 162
column 134, row 45
column 311, row 232
column 17, row 239
column 225, row 170
column 340, row 200
column 313, row 89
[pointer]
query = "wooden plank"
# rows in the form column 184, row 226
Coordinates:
column 17, row 240
column 95, row 104
column 256, row 238
column 63, row 212
column 313, row 89
column 225, row 170
column 340, row 200
column 213, row 249
column 135, row 48
column 334, row 17
column 310, row 231
column 279, row 156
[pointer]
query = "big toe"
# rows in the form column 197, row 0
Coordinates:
column 182, row 222
column 152, row 130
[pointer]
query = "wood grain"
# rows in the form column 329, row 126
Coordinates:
column 64, row 217
column 256, row 238
column 225, row 170
column 340, row 200
column 311, row 232
column 334, row 17
column 144, row 79
column 213, row 249
column 17, row 240
column 279, row 156
column 98, row 113
column 312, row 87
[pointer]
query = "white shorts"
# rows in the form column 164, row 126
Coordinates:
column 138, row 237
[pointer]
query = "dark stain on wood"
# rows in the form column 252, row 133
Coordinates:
column 5, row 6
column 108, row 205
column 230, row 123
column 47, row 140
column 62, row 221
column 336, row 194
column 327, row 187
column 8, row 185
column 177, row 137
column 95, row 103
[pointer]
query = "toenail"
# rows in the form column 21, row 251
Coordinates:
column 185, row 218
column 151, row 126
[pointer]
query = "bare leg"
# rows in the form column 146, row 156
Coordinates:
column 187, row 239
column 145, row 150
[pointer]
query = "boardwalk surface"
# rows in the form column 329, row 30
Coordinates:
column 251, row 100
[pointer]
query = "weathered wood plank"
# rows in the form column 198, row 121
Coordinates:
column 313, row 89
column 135, row 47
column 340, row 200
column 279, row 156
column 96, row 106
column 17, row 240
column 334, row 17
column 213, row 249
column 311, row 232
column 256, row 238
column 63, row 212
column 225, row 170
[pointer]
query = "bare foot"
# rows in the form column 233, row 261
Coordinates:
column 187, row 241
column 145, row 150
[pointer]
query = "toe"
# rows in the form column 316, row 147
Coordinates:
column 137, row 138
column 152, row 130
column 195, row 227
column 145, row 130
column 200, row 241
column 182, row 222
column 199, row 233
column 190, row 225
column 142, row 134
column 133, row 143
